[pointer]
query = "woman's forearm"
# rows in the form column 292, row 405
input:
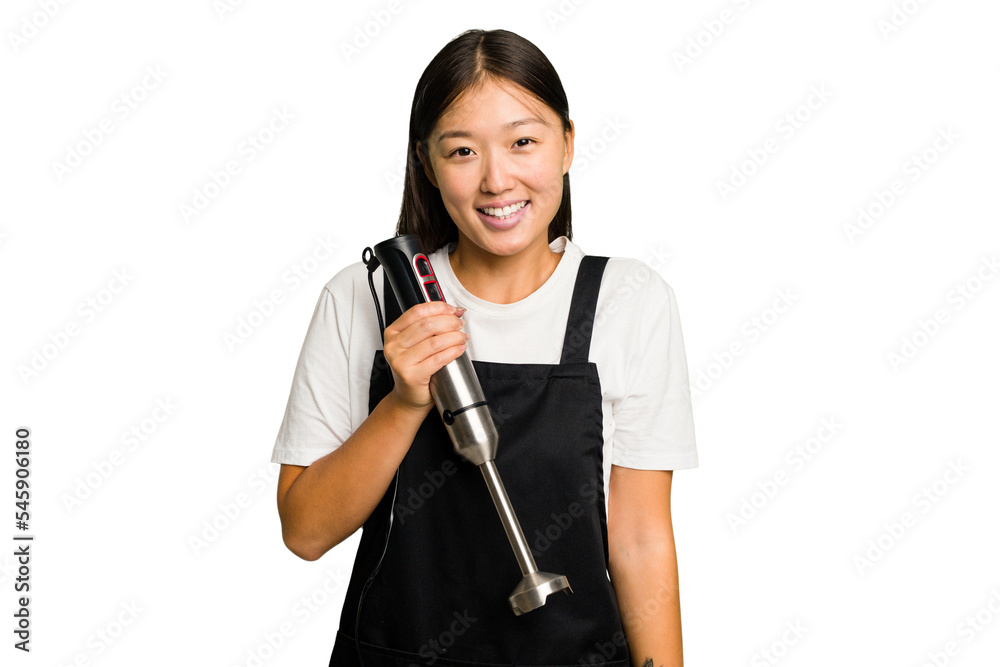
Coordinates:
column 323, row 504
column 645, row 581
column 642, row 562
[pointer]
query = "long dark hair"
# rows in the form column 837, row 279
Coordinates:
column 463, row 63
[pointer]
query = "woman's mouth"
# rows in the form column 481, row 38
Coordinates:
column 503, row 218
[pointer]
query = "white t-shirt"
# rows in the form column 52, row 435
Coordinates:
column 637, row 345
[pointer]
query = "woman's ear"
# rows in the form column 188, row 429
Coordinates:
column 425, row 162
column 568, row 155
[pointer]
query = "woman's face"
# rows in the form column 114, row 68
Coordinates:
column 498, row 157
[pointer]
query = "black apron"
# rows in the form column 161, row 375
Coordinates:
column 440, row 594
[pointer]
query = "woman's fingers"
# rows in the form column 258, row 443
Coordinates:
column 428, row 328
column 422, row 311
column 421, row 342
column 430, row 355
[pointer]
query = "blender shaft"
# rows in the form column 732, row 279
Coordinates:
column 507, row 517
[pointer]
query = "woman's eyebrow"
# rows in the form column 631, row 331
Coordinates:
column 464, row 134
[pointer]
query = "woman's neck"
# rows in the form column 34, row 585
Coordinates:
column 500, row 279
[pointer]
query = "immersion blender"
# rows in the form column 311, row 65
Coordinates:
column 466, row 415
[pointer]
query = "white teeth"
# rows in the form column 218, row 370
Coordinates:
column 505, row 212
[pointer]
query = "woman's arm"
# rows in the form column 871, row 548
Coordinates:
column 323, row 504
column 643, row 565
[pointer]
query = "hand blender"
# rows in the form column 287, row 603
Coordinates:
column 466, row 415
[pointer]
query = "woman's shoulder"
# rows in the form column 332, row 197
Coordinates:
column 350, row 281
column 627, row 277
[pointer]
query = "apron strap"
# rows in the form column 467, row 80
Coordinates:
column 580, row 325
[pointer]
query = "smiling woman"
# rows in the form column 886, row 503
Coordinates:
column 593, row 414
column 462, row 69
column 499, row 159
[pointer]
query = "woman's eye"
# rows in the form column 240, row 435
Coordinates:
column 462, row 152
column 521, row 143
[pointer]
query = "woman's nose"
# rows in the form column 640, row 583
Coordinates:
column 497, row 176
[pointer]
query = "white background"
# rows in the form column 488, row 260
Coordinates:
column 661, row 134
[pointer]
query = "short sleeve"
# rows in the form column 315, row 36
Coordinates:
column 654, row 422
column 317, row 417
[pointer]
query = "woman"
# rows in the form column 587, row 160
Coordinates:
column 581, row 360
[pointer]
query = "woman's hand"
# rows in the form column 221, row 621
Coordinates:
column 420, row 343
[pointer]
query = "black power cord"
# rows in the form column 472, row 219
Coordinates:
column 370, row 261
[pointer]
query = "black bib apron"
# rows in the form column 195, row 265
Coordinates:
column 440, row 594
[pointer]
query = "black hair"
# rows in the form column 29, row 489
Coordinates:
column 464, row 63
